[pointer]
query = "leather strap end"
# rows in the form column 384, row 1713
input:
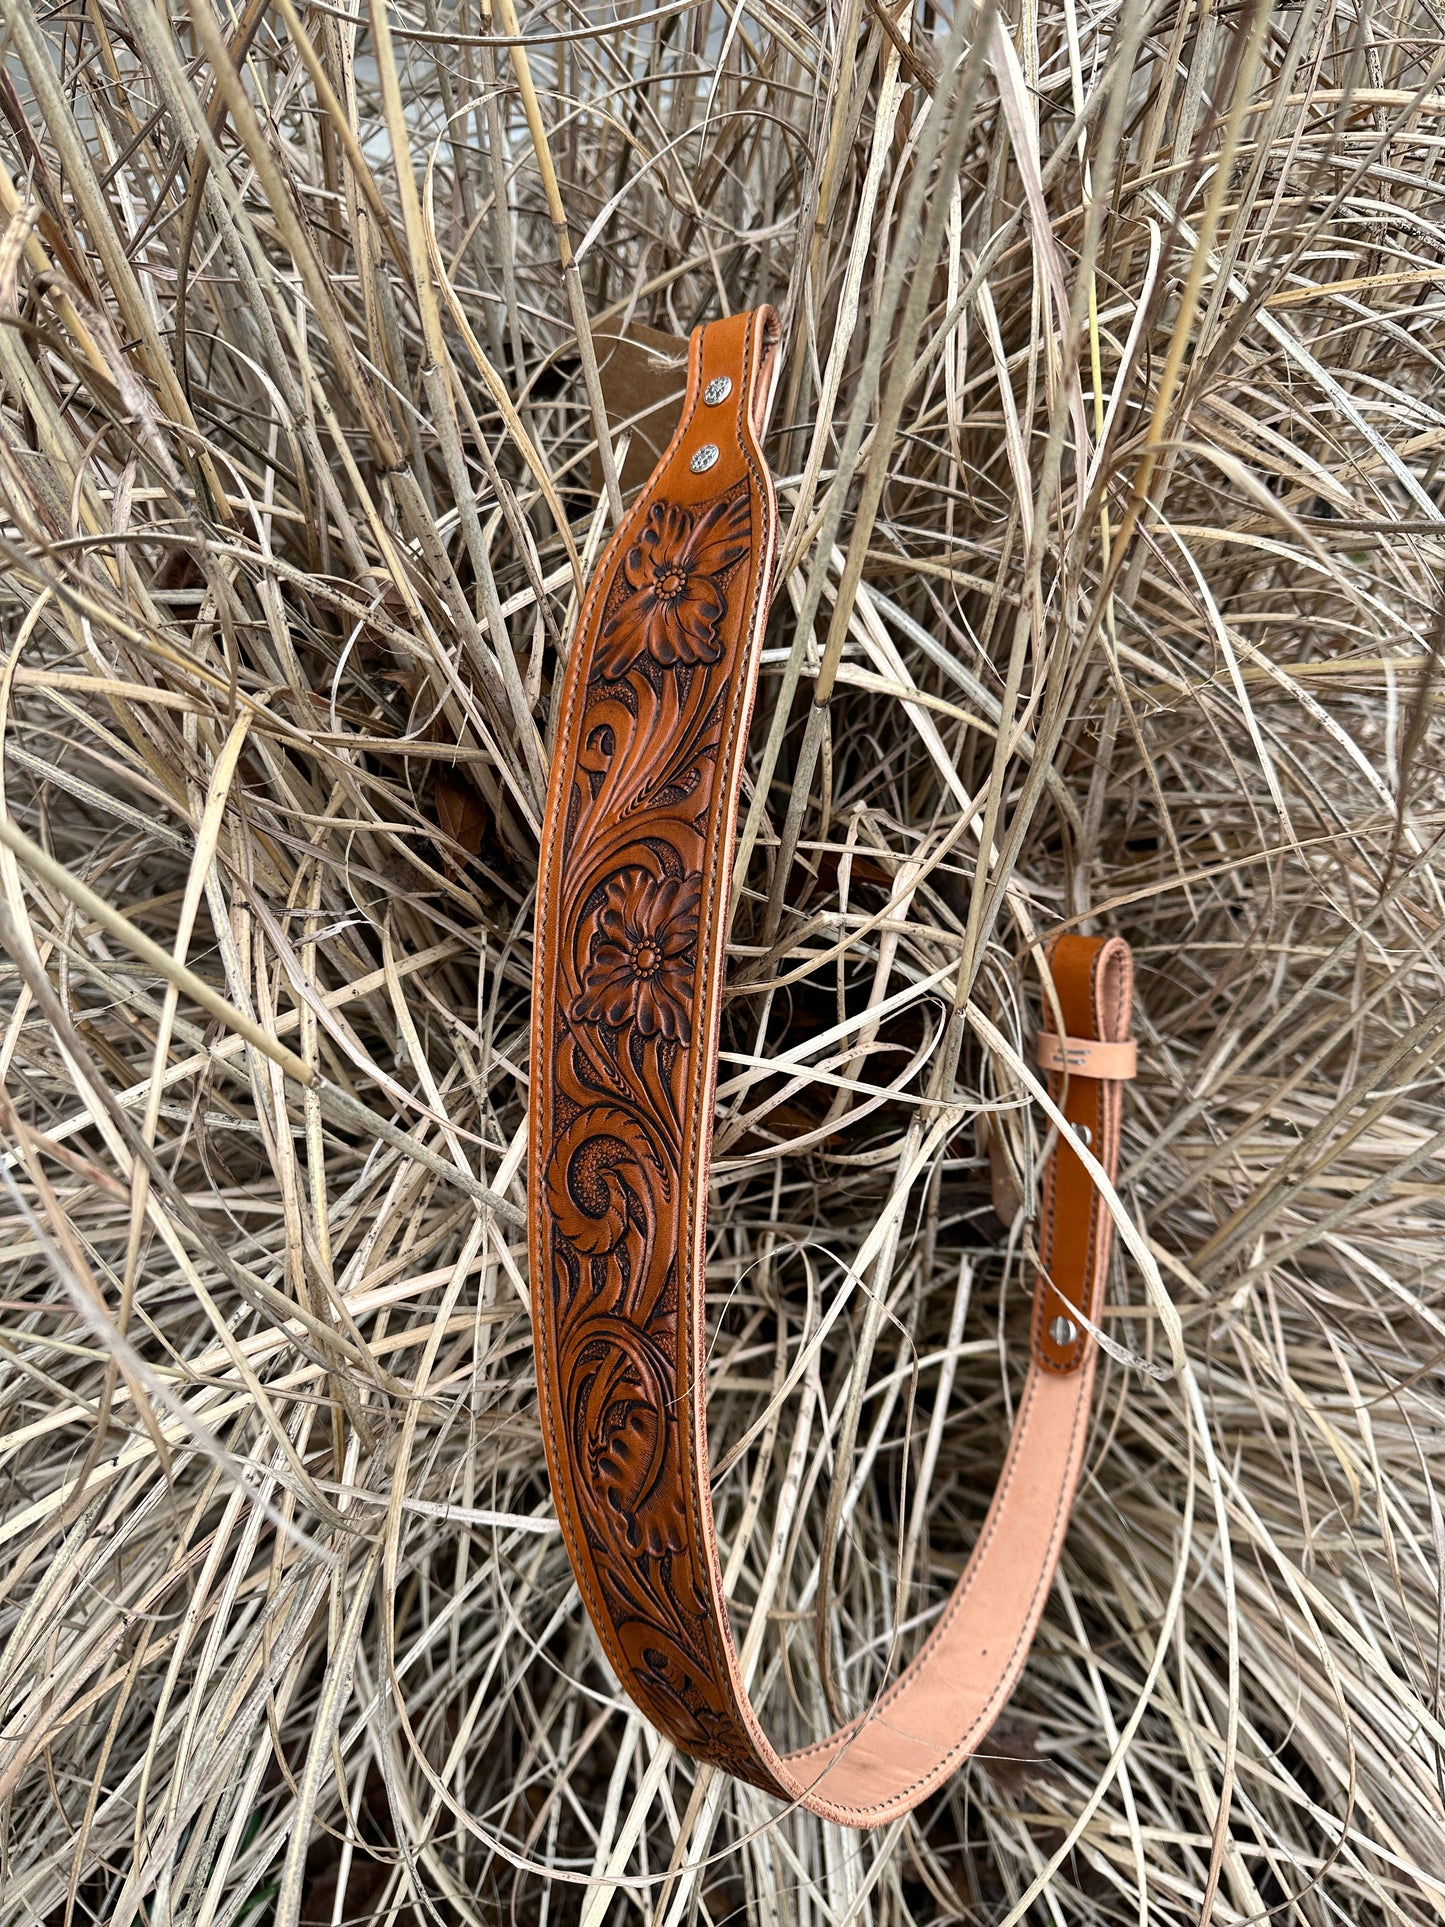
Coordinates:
column 1093, row 980
column 644, row 381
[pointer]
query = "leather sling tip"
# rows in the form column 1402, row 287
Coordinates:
column 1093, row 979
column 632, row 900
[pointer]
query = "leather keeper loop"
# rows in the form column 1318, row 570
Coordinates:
column 632, row 896
column 1086, row 1056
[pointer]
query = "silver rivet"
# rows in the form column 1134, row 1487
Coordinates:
column 1082, row 1131
column 704, row 458
column 1063, row 1331
column 718, row 389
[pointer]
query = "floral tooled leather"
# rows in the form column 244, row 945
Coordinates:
column 632, row 893
column 676, row 575
column 641, row 821
column 641, row 963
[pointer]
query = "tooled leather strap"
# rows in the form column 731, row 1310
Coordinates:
column 631, row 912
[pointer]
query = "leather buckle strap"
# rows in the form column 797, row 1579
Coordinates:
column 632, row 899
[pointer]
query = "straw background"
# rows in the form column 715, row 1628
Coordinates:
column 1109, row 441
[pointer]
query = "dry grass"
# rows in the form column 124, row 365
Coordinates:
column 1109, row 444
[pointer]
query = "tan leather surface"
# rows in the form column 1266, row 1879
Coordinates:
column 631, row 913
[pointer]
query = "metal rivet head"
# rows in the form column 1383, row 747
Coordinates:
column 1063, row 1331
column 718, row 389
column 1083, row 1132
column 704, row 458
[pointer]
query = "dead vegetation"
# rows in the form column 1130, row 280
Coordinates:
column 1109, row 443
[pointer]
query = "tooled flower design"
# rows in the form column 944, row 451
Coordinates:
column 673, row 574
column 641, row 959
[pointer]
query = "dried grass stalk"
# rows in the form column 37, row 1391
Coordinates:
column 1109, row 443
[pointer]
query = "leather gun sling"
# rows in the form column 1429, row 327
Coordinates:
column 637, row 851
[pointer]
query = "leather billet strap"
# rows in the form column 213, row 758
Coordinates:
column 637, row 852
